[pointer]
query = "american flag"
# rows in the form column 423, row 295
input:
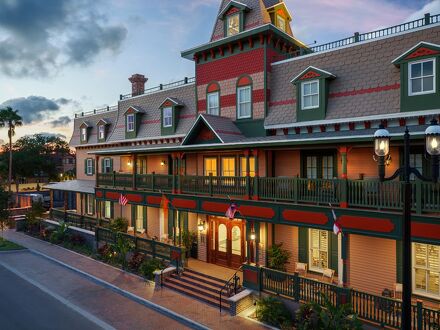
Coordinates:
column 232, row 209
column 123, row 200
column 337, row 228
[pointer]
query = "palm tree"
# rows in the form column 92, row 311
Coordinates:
column 11, row 119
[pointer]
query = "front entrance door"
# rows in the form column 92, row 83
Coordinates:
column 226, row 242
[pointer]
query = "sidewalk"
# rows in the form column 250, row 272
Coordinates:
column 183, row 305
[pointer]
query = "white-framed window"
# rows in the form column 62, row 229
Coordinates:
column 139, row 218
column 89, row 166
column 83, row 133
column 90, row 204
column 107, row 209
column 244, row 102
column 213, row 103
column 310, row 94
column 426, row 269
column 107, row 165
column 281, row 23
column 101, row 132
column 421, row 77
column 130, row 122
column 327, row 167
column 233, row 24
column 318, row 250
column 167, row 117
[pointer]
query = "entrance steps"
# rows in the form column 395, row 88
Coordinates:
column 199, row 286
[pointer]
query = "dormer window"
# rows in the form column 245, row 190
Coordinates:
column 310, row 94
column 421, row 77
column 281, row 23
column 101, row 132
column 233, row 24
column 167, row 117
column 84, row 134
column 130, row 122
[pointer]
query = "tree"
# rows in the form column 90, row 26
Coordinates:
column 4, row 212
column 11, row 119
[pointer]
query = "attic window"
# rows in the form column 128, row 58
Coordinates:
column 130, row 122
column 310, row 94
column 101, row 132
column 167, row 117
column 83, row 133
column 422, row 77
column 281, row 23
column 233, row 24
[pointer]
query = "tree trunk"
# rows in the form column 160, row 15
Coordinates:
column 10, row 158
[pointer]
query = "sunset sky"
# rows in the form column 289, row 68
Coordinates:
column 76, row 55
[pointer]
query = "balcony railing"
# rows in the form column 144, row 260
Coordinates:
column 373, row 308
column 369, row 194
column 74, row 219
column 162, row 87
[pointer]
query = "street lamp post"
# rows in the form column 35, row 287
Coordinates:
column 381, row 149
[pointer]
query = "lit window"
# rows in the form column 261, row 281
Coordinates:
column 107, row 165
column 84, row 134
column 310, row 94
column 312, row 167
column 281, row 23
column 130, row 122
column 213, row 103
column 244, row 102
column 228, row 166
column 167, row 117
column 107, row 209
column 233, row 25
column 101, row 132
column 139, row 217
column 251, row 166
column 211, row 166
column 90, row 204
column 422, row 77
column 426, row 269
column 89, row 169
column 318, row 245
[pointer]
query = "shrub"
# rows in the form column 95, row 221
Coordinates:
column 315, row 316
column 46, row 232
column 278, row 257
column 60, row 234
column 77, row 239
column 121, row 248
column 119, row 225
column 272, row 311
column 148, row 267
column 106, row 252
column 136, row 260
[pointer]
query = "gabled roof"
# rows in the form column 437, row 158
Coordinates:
column 280, row 4
column 171, row 101
column 103, row 121
column 312, row 72
column 85, row 124
column 134, row 109
column 222, row 128
column 231, row 4
column 420, row 50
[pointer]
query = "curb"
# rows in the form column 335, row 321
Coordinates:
column 158, row 308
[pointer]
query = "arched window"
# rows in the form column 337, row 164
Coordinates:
column 244, row 97
column 213, row 99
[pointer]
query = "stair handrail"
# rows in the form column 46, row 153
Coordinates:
column 236, row 280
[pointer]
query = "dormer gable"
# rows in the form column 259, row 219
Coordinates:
column 132, row 121
column 312, row 73
column 418, row 52
column 170, row 102
column 231, row 8
column 169, row 115
column 280, row 17
column 102, row 126
column 84, row 131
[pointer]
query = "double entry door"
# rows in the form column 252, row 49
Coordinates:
column 226, row 242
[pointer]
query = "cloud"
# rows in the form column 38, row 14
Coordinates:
column 432, row 7
column 48, row 134
column 38, row 40
column 61, row 121
column 35, row 108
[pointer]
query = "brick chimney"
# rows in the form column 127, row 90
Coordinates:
column 137, row 84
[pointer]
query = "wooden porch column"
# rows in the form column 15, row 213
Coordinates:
column 343, row 151
column 343, row 259
column 65, row 201
column 257, row 175
column 174, row 166
column 248, row 179
column 81, row 204
column 134, row 170
column 51, row 198
column 97, row 170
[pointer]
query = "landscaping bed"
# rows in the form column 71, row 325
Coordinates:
column 6, row 245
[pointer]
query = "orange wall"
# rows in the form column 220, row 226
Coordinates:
column 372, row 263
column 153, row 164
column 360, row 160
column 288, row 235
column 287, row 162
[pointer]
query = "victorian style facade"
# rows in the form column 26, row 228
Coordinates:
column 285, row 132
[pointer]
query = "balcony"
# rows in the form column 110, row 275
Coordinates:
column 367, row 194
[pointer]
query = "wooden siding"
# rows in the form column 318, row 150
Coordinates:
column 360, row 160
column 288, row 235
column 287, row 163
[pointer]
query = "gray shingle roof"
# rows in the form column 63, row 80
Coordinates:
column 109, row 117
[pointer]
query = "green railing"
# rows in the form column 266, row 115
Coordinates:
column 384, row 311
column 156, row 249
column 74, row 219
column 370, row 194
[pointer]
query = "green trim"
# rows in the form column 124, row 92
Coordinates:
column 251, row 127
column 333, row 251
column 175, row 120
column 402, row 58
column 318, row 113
column 132, row 134
column 251, row 85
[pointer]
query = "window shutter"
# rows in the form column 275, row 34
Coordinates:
column 303, row 245
column 133, row 216
column 102, row 166
column 86, row 206
column 333, row 251
column 85, row 166
column 112, row 210
column 111, row 165
column 170, row 223
column 399, row 261
column 184, row 220
column 93, row 205
column 93, row 166
column 145, row 217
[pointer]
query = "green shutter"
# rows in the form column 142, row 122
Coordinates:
column 145, row 217
column 170, row 223
column 93, row 166
column 303, row 245
column 85, row 166
column 102, row 165
column 399, row 250
column 111, row 165
column 333, row 240
column 133, row 216
column 112, row 210
column 183, row 220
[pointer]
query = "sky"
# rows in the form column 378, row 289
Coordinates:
column 60, row 57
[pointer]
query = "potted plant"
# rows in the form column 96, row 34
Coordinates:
column 189, row 240
column 278, row 258
column 119, row 224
